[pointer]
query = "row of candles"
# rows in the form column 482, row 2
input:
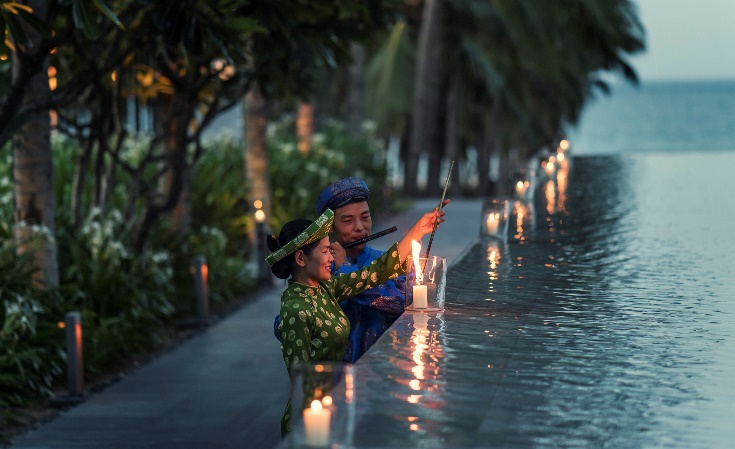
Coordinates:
column 553, row 168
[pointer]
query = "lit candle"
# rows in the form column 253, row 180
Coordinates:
column 419, row 297
column 492, row 224
column 549, row 167
column 521, row 189
column 316, row 424
column 419, row 291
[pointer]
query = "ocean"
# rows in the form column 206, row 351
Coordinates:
column 661, row 116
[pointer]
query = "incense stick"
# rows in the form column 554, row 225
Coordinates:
column 370, row 237
column 441, row 205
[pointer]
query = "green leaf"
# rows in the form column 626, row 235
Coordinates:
column 85, row 20
column 37, row 24
column 108, row 13
column 17, row 34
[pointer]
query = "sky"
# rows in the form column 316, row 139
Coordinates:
column 687, row 40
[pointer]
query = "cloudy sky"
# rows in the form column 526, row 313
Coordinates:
column 687, row 40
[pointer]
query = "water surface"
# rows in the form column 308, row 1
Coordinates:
column 607, row 319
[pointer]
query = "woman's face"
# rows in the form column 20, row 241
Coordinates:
column 319, row 262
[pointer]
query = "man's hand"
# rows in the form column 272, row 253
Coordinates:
column 339, row 254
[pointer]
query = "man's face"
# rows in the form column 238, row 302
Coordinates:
column 352, row 222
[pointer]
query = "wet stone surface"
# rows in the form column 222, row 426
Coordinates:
column 606, row 319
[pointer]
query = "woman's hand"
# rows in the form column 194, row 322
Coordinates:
column 429, row 220
column 423, row 226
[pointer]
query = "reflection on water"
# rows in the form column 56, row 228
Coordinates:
column 525, row 221
column 605, row 320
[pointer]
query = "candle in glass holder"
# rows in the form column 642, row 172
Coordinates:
column 549, row 167
column 491, row 225
column 521, row 188
column 316, row 424
column 420, row 297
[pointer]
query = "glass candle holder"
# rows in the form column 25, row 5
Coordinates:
column 494, row 218
column 426, row 281
column 523, row 186
column 322, row 405
column 549, row 167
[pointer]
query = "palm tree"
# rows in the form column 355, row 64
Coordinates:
column 356, row 110
column 528, row 69
column 256, row 151
column 426, row 94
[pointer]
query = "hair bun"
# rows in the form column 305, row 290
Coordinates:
column 272, row 243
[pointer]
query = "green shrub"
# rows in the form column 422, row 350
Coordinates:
column 125, row 298
column 297, row 179
column 29, row 361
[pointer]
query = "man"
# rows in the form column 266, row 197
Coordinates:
column 374, row 310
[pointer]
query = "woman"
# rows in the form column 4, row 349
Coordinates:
column 313, row 327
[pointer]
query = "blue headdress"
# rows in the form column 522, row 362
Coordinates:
column 341, row 193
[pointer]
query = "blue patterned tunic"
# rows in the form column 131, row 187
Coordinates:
column 373, row 311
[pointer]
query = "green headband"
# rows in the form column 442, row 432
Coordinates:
column 316, row 231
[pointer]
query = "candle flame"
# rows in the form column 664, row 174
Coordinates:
column 415, row 251
column 316, row 405
column 327, row 401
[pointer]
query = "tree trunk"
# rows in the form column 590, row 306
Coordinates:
column 305, row 127
column 176, row 148
column 176, row 178
column 435, row 175
column 452, row 141
column 256, row 152
column 425, row 97
column 33, row 184
column 356, row 90
column 486, row 150
column 181, row 214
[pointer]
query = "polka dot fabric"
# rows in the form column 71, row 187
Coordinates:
column 313, row 325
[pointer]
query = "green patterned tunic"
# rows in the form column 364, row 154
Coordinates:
column 313, row 325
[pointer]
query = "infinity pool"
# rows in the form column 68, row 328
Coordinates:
column 606, row 319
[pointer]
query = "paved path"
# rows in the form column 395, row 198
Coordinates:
column 225, row 388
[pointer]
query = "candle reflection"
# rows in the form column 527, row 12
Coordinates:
column 550, row 192
column 562, row 178
column 493, row 259
column 420, row 339
column 525, row 221
column 497, row 257
column 424, row 385
column 520, row 211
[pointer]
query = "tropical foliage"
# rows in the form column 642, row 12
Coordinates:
column 518, row 72
column 130, row 302
column 297, row 177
